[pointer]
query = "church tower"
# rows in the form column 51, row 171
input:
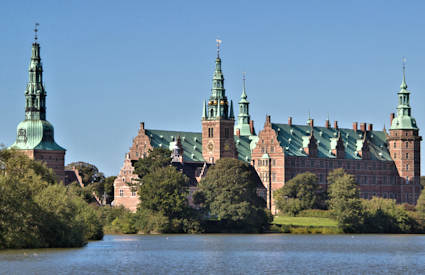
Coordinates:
column 218, row 120
column 245, row 125
column 35, row 135
column 404, row 145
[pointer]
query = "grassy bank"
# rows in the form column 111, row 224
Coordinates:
column 304, row 225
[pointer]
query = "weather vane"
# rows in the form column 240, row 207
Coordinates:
column 218, row 46
column 243, row 79
column 35, row 31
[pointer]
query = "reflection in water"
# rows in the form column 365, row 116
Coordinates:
column 227, row 254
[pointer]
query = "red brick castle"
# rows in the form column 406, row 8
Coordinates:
column 385, row 164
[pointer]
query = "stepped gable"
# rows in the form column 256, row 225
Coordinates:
column 291, row 139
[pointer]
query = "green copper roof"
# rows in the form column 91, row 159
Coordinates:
column 192, row 144
column 293, row 140
column 243, row 116
column 35, row 134
column 404, row 119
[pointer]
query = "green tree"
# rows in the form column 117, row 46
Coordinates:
column 420, row 204
column 344, row 201
column 157, row 158
column 385, row 216
column 37, row 212
column 300, row 193
column 89, row 173
column 163, row 202
column 229, row 193
column 423, row 182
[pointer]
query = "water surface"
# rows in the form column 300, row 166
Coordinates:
column 227, row 254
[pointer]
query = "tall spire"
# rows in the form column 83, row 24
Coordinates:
column 218, row 105
column 204, row 110
column 232, row 115
column 35, row 95
column 244, row 117
column 404, row 120
column 35, row 132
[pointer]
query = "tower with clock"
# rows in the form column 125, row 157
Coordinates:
column 218, row 120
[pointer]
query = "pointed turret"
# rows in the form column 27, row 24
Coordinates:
column 403, row 120
column 232, row 115
column 204, row 110
column 218, row 99
column 244, row 117
column 35, row 135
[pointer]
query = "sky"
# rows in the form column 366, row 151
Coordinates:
column 109, row 65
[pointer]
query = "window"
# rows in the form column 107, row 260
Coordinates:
column 121, row 193
column 273, row 176
column 395, row 144
column 210, row 132
column 262, row 150
column 133, row 193
column 407, row 155
column 407, row 167
column 407, row 144
column 273, row 162
column 272, row 149
column 395, row 155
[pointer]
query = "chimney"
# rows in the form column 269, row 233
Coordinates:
column 392, row 116
column 251, row 127
column 355, row 125
column 290, row 121
column 238, row 132
column 311, row 122
column 336, row 124
column 370, row 127
column 327, row 124
column 363, row 127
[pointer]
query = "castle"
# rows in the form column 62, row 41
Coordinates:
column 35, row 135
column 385, row 164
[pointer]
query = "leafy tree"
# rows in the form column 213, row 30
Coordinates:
column 163, row 196
column 385, row 216
column 420, row 204
column 229, row 193
column 37, row 212
column 89, row 173
column 423, row 182
column 157, row 158
column 344, row 200
column 300, row 193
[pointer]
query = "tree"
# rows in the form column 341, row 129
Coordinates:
column 163, row 201
column 229, row 193
column 344, row 200
column 36, row 211
column 423, row 182
column 89, row 173
column 300, row 193
column 420, row 204
column 157, row 158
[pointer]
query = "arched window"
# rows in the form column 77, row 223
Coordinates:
column 395, row 144
column 407, row 144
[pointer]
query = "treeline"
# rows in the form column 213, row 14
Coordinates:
column 226, row 200
column 341, row 199
column 37, row 211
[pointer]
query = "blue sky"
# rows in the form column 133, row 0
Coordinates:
column 111, row 64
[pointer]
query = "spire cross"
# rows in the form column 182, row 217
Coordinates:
column 218, row 46
column 35, row 31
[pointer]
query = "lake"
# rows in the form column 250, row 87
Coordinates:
column 227, row 254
